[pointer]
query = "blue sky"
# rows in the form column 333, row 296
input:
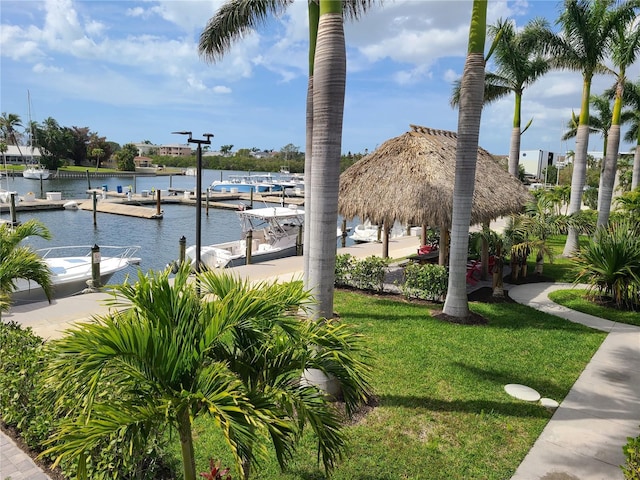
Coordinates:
column 130, row 71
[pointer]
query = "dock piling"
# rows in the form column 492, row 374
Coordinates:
column 248, row 242
column 95, row 267
column 12, row 208
column 95, row 207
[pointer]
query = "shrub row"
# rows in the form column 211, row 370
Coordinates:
column 427, row 282
column 30, row 405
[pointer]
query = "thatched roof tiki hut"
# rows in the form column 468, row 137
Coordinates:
column 410, row 179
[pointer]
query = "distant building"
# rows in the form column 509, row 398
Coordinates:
column 536, row 161
column 146, row 148
column 262, row 154
column 175, row 150
column 22, row 154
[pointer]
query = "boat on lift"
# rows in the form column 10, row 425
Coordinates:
column 275, row 233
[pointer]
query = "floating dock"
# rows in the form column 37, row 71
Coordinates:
column 122, row 209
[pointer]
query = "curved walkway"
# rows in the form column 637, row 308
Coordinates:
column 584, row 438
column 582, row 441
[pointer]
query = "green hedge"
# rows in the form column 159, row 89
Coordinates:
column 427, row 282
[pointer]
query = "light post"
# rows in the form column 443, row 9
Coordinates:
column 206, row 141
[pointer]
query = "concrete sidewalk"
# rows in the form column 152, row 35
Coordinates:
column 584, row 438
column 50, row 320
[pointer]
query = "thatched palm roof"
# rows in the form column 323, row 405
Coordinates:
column 410, row 178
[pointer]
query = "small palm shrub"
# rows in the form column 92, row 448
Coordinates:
column 427, row 282
column 610, row 263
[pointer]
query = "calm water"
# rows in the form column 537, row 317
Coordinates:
column 159, row 239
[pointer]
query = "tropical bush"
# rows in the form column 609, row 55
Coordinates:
column 610, row 263
column 23, row 360
column 427, row 282
column 365, row 274
column 344, row 269
column 368, row 273
column 631, row 468
column 26, row 404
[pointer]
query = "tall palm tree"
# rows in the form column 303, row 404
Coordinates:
column 235, row 19
column 329, row 83
column 18, row 261
column 471, row 96
column 9, row 122
column 518, row 65
column 235, row 354
column 625, row 48
column 600, row 123
column 587, row 27
column 632, row 98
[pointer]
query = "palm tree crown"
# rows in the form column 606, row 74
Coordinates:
column 18, row 261
column 236, row 355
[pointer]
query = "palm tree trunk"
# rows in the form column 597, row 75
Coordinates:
column 471, row 97
column 328, row 107
column 498, row 273
column 577, row 186
column 635, row 177
column 514, row 147
column 443, row 247
column 514, row 151
column 609, row 177
column 186, row 444
column 314, row 14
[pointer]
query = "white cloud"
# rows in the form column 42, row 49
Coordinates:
column 41, row 68
column 450, row 76
column 135, row 12
column 221, row 89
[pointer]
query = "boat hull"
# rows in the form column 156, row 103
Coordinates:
column 259, row 257
column 70, row 274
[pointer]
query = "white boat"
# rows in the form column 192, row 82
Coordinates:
column 70, row 205
column 36, row 172
column 258, row 183
column 71, row 268
column 367, row 232
column 274, row 234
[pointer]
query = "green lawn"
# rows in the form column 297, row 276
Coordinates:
column 442, row 411
column 578, row 299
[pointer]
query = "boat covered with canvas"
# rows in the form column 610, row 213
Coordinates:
column 367, row 232
column 275, row 233
column 71, row 269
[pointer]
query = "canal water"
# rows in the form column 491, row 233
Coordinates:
column 158, row 239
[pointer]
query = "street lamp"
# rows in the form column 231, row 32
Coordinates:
column 205, row 141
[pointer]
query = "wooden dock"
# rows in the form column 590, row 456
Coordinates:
column 122, row 209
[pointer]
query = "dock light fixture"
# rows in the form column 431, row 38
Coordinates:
column 199, row 142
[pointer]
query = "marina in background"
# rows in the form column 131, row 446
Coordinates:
column 159, row 239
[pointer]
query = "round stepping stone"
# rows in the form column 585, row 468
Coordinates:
column 522, row 392
column 549, row 403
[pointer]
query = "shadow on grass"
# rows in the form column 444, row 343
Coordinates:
column 502, row 378
column 514, row 408
column 513, row 316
